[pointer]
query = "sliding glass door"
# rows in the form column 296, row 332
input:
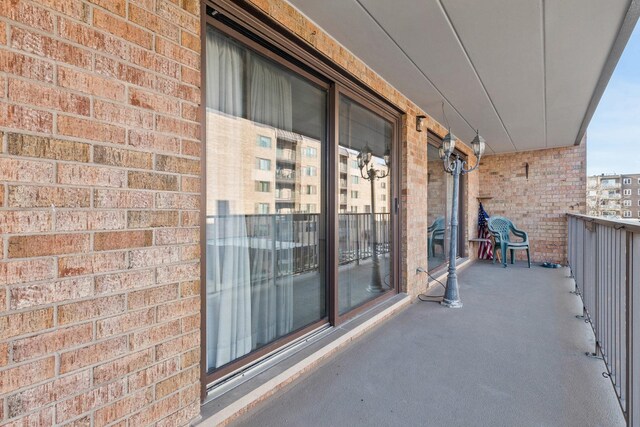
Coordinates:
column 265, row 200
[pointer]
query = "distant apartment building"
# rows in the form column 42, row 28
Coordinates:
column 614, row 196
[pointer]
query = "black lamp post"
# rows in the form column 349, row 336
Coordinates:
column 454, row 165
column 369, row 173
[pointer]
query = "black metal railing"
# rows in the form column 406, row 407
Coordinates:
column 604, row 256
column 294, row 239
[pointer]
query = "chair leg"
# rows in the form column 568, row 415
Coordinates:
column 494, row 255
column 512, row 256
column 528, row 258
column 503, row 250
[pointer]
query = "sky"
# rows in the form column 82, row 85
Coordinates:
column 613, row 136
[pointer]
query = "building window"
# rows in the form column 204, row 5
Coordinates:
column 310, row 171
column 310, row 152
column 262, row 208
column 639, row 184
column 263, row 164
column 355, row 179
column 354, row 164
column 383, row 197
column 627, row 202
column 311, row 189
column 263, row 186
column 354, row 194
column 626, row 180
column 638, row 191
column 383, row 185
column 367, row 208
column 264, row 141
column 354, row 209
column 627, row 214
column 626, row 192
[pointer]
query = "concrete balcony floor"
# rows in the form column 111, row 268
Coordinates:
column 514, row 355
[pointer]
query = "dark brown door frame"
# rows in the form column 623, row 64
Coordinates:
column 301, row 59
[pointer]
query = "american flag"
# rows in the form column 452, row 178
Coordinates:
column 485, row 249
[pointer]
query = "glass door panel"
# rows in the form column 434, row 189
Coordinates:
column 364, row 197
column 265, row 201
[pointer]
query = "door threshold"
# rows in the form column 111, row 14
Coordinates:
column 236, row 398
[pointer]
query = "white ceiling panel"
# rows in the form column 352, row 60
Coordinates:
column 526, row 73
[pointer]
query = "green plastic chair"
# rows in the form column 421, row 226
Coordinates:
column 501, row 228
column 436, row 235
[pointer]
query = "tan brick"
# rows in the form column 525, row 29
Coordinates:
column 190, row 76
column 189, row 218
column 178, row 308
column 73, row 8
column 77, row 175
column 122, row 366
column 125, row 116
column 3, row 38
column 26, row 66
column 44, row 417
column 173, row 13
column 89, row 129
column 190, row 112
column 177, row 164
column 27, row 374
column 149, row 297
column 189, row 289
column 150, row 60
column 153, row 181
column 26, row 171
column 83, row 310
column 88, row 37
column 146, row 219
column 92, row 354
column 190, row 323
column 178, row 127
column 100, row 262
column 37, row 397
column 123, row 199
column 50, row 244
column 124, row 281
column 178, row 273
column 111, row 240
column 190, row 358
column 191, row 148
column 176, row 236
column 177, row 201
column 117, row 70
column 90, row 220
column 4, row 354
column 52, row 342
column 47, row 148
column 48, row 47
column 26, row 322
column 190, row 41
column 25, row 221
column 123, row 407
column 124, row 323
column 150, row 257
column 119, row 7
column 50, row 292
column 178, row 53
column 157, row 411
column 25, row 118
column 154, row 102
column 25, row 92
column 122, row 29
column 191, row 6
column 84, row 402
column 29, row 14
column 12, row 272
column 154, row 335
column 91, row 84
column 154, row 23
column 153, row 374
column 22, row 196
column 176, row 382
column 123, row 158
column 154, row 141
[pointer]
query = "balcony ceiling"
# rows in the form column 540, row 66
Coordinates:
column 528, row 74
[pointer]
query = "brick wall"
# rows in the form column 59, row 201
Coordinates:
column 99, row 204
column 556, row 185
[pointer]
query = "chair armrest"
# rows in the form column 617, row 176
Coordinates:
column 520, row 233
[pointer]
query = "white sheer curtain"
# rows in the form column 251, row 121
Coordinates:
column 249, row 271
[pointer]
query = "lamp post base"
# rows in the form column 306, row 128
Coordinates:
column 451, row 304
column 375, row 289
